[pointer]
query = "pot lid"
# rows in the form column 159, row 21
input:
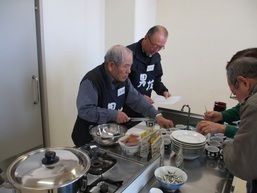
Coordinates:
column 48, row 168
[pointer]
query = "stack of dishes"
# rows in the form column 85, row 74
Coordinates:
column 191, row 142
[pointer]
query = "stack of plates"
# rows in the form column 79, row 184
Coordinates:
column 192, row 143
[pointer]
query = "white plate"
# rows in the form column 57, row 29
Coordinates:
column 188, row 146
column 188, row 136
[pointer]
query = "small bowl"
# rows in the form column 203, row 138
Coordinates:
column 129, row 150
column 214, row 143
column 180, row 126
column 221, row 135
column 150, row 123
column 164, row 131
column 218, row 139
column 212, row 151
column 160, row 172
column 155, row 190
column 173, row 129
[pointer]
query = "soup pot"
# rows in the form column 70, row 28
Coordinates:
column 55, row 170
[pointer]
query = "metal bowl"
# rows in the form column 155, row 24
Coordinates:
column 107, row 134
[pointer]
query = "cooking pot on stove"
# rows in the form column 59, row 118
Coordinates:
column 107, row 134
column 55, row 170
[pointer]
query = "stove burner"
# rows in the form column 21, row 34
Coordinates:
column 95, row 165
column 100, row 162
column 103, row 185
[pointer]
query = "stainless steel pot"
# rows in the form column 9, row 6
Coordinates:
column 50, row 170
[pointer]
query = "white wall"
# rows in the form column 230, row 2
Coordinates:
column 128, row 21
column 204, row 34
column 145, row 18
column 119, row 17
column 73, row 34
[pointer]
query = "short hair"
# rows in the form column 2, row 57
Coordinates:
column 244, row 66
column 116, row 54
column 156, row 29
column 250, row 52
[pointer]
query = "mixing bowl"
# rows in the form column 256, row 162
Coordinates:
column 107, row 134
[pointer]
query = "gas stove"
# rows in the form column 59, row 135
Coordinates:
column 100, row 161
column 113, row 171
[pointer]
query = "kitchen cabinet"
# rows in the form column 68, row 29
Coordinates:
column 20, row 110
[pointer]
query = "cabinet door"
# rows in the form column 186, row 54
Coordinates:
column 20, row 118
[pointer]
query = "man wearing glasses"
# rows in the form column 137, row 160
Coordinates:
column 240, row 154
column 146, row 70
column 229, row 116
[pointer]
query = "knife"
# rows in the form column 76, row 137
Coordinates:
column 133, row 119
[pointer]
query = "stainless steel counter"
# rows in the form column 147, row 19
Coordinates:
column 205, row 175
column 134, row 171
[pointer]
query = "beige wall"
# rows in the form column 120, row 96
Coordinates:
column 73, row 41
column 204, row 34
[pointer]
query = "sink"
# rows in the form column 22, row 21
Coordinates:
column 180, row 117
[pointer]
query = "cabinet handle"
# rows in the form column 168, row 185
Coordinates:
column 36, row 99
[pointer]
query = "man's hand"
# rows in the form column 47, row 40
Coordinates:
column 122, row 117
column 164, row 123
column 166, row 94
column 205, row 127
column 213, row 116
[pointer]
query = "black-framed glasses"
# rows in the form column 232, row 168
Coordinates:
column 156, row 46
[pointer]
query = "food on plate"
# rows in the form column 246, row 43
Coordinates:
column 131, row 140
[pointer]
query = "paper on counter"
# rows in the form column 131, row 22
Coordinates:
column 162, row 100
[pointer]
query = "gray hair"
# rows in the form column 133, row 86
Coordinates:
column 116, row 54
column 243, row 66
column 249, row 52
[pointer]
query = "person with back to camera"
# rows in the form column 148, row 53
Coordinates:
column 146, row 70
column 239, row 154
column 230, row 115
column 103, row 92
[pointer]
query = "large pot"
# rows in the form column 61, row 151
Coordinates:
column 50, row 170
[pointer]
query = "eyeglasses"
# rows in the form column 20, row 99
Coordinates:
column 156, row 46
column 232, row 95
